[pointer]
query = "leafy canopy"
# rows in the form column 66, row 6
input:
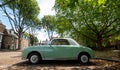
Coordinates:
column 96, row 20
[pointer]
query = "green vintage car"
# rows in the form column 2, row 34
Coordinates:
column 58, row 49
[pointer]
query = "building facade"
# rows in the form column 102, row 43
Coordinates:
column 9, row 40
column 2, row 28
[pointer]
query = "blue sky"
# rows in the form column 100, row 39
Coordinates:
column 46, row 8
column 4, row 19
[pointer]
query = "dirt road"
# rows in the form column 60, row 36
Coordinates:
column 9, row 57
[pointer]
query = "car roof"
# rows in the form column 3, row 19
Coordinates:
column 63, row 38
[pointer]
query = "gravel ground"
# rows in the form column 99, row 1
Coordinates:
column 9, row 57
column 10, row 60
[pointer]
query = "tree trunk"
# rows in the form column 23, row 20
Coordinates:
column 99, row 45
column 19, row 40
column 99, row 42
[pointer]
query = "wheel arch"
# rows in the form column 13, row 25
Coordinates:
column 34, row 52
column 84, row 53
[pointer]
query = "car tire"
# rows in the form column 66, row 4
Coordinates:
column 34, row 58
column 83, row 58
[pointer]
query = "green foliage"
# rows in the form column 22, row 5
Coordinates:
column 62, row 25
column 22, row 16
column 92, row 20
column 26, row 8
column 36, row 40
column 26, row 34
column 49, row 24
column 33, row 39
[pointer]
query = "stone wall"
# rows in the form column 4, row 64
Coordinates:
column 24, row 43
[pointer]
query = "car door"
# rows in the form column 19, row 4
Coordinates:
column 61, row 49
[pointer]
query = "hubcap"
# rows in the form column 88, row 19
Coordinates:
column 84, row 58
column 34, row 59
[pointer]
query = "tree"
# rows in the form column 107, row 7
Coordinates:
column 32, row 38
column 23, row 14
column 48, row 23
column 62, row 26
column 6, row 3
column 96, row 20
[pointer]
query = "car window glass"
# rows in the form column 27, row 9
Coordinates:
column 55, row 42
column 64, row 42
column 60, row 42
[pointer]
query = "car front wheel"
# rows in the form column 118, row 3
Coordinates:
column 34, row 58
column 83, row 58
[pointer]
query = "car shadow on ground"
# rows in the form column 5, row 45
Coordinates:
column 55, row 63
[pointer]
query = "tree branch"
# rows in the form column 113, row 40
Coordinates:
column 93, row 39
column 1, row 5
column 105, row 28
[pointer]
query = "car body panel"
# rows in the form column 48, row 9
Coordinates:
column 57, row 52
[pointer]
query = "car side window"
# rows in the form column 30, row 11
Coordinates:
column 55, row 42
column 64, row 42
column 60, row 42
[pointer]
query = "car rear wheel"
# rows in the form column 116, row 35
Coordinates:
column 34, row 58
column 83, row 58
